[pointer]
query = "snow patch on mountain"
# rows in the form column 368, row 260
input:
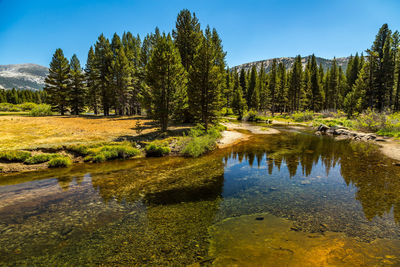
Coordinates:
column 23, row 76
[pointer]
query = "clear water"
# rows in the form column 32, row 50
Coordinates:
column 288, row 199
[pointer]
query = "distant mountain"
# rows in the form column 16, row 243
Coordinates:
column 23, row 76
column 288, row 62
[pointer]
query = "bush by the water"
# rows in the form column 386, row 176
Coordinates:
column 41, row 110
column 7, row 107
column 381, row 123
column 157, row 149
column 104, row 152
column 40, row 158
column 14, row 156
column 60, row 161
column 201, row 141
column 302, row 116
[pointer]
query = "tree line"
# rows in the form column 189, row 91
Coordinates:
column 182, row 76
column 370, row 81
column 176, row 75
column 15, row 96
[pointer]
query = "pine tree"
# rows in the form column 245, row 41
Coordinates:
column 206, row 78
column 281, row 89
column 166, row 78
column 272, row 86
column 262, row 88
column 315, row 88
column 103, row 60
column 396, row 47
column 187, row 35
column 354, row 101
column 238, row 102
column 381, row 69
column 77, row 86
column 228, row 89
column 253, row 97
column 57, row 82
column 93, row 94
column 243, row 83
column 295, row 85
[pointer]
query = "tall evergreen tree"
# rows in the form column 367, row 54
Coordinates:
column 281, row 89
column 93, row 94
column 354, row 101
column 262, row 87
column 253, row 97
column 166, row 78
column 238, row 102
column 77, row 86
column 315, row 88
column 103, row 61
column 272, row 86
column 295, row 84
column 382, row 67
column 187, row 35
column 206, row 78
column 57, row 82
column 243, row 83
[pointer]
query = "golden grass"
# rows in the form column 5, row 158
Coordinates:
column 18, row 132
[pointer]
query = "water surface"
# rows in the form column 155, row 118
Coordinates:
column 268, row 200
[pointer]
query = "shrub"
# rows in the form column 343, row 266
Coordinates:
column 370, row 120
column 41, row 110
column 9, row 107
column 201, row 142
column 14, row 156
column 27, row 106
column 40, row 158
column 199, row 145
column 226, row 111
column 157, row 149
column 101, row 153
column 60, row 161
column 251, row 115
column 302, row 116
column 82, row 150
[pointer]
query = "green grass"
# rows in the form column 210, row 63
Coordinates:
column 101, row 152
column 157, row 149
column 14, row 156
column 41, row 110
column 60, row 161
column 200, row 141
column 40, row 158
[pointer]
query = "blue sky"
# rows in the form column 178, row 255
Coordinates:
column 30, row 31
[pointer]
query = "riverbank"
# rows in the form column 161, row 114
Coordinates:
column 389, row 146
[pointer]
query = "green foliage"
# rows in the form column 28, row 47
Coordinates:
column 157, row 149
column 206, row 78
column 28, row 106
column 251, row 115
column 14, row 156
column 166, row 78
column 101, row 152
column 60, row 161
column 201, row 141
column 57, row 82
column 380, row 123
column 302, row 116
column 41, row 110
column 334, row 122
column 40, row 158
column 370, row 120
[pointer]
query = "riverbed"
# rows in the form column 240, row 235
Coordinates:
column 284, row 198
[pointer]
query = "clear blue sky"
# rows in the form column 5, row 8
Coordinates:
column 30, row 31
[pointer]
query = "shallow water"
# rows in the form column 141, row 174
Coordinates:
column 289, row 199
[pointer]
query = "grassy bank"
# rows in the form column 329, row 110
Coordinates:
column 384, row 124
column 29, row 143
